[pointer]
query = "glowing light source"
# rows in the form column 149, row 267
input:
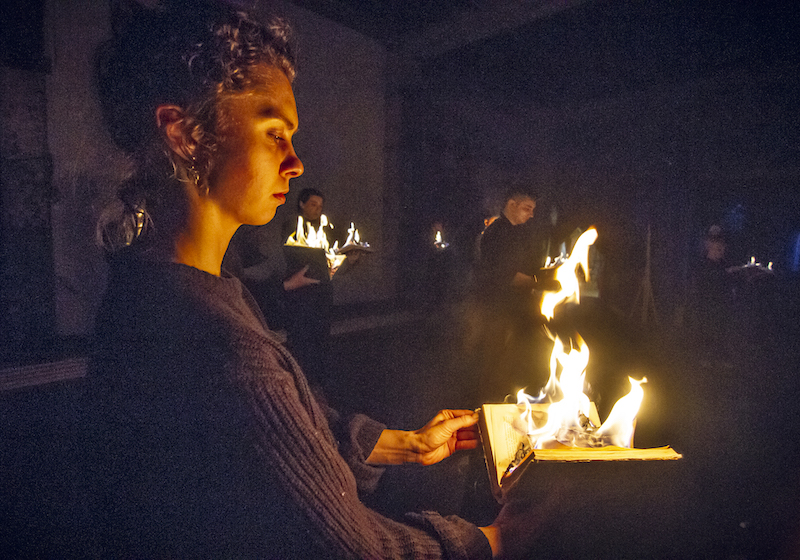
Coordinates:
column 571, row 418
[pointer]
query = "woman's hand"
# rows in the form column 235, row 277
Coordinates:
column 448, row 432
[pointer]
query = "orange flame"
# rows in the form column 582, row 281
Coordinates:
column 566, row 274
column 571, row 418
column 317, row 239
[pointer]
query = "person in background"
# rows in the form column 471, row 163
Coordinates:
column 310, row 206
column 208, row 441
column 507, row 267
column 505, row 280
column 308, row 309
column 714, row 298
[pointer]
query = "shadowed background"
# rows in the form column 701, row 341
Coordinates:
column 665, row 117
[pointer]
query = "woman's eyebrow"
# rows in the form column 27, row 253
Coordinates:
column 272, row 112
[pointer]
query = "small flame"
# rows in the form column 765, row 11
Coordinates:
column 353, row 237
column 438, row 240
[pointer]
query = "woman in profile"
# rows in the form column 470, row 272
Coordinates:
column 209, row 442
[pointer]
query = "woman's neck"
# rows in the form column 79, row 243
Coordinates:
column 204, row 240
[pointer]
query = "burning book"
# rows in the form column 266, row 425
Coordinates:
column 509, row 450
column 353, row 242
column 561, row 423
column 310, row 247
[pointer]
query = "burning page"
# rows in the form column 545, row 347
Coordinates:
column 561, row 423
column 316, row 239
column 353, row 242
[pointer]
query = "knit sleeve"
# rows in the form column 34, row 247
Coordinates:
column 356, row 437
column 294, row 441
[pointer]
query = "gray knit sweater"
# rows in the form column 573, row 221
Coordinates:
column 210, row 443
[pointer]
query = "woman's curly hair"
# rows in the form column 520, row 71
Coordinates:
column 186, row 54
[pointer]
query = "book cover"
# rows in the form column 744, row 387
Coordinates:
column 297, row 257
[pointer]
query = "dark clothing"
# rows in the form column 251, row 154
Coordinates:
column 505, row 249
column 508, row 342
column 713, row 309
column 210, row 443
column 308, row 310
column 308, row 316
column 304, row 314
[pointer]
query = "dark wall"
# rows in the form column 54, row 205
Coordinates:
column 26, row 271
column 623, row 115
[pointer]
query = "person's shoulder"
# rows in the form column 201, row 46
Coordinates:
column 497, row 228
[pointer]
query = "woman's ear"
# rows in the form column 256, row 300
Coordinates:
column 172, row 123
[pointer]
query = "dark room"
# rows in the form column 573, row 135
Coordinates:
column 268, row 267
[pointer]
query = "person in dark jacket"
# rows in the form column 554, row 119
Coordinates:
column 505, row 282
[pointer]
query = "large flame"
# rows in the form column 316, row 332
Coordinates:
column 571, row 418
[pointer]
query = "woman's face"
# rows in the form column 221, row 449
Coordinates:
column 255, row 158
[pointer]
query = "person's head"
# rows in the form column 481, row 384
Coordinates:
column 310, row 204
column 519, row 206
column 201, row 101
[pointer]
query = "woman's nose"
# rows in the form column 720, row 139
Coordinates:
column 292, row 166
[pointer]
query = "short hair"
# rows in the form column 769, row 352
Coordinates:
column 188, row 54
column 519, row 193
column 305, row 194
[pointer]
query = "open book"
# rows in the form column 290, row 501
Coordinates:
column 508, row 452
column 354, row 247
